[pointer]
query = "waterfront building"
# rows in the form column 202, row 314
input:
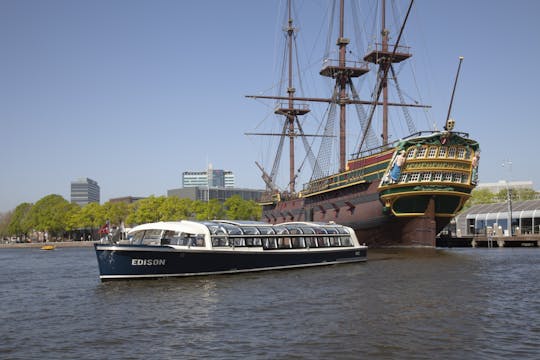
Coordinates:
column 204, row 193
column 209, row 178
column 84, row 191
column 492, row 219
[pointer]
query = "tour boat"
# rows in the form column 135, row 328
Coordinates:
column 187, row 248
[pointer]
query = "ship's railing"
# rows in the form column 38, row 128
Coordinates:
column 401, row 49
column 378, row 149
column 333, row 181
column 360, row 65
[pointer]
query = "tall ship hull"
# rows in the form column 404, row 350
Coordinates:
column 401, row 192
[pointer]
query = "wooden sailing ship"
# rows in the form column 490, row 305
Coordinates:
column 400, row 192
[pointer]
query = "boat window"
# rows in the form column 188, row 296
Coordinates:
column 426, row 176
column 410, row 153
column 220, row 241
column 437, row 176
column 137, row 237
column 403, row 178
column 442, row 151
column 421, row 152
column 457, row 177
column 252, row 241
column 448, row 177
column 452, row 152
column 270, row 243
column 432, row 152
column 461, row 153
column 152, row 237
column 238, row 242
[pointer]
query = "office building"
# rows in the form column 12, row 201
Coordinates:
column 84, row 191
column 210, row 178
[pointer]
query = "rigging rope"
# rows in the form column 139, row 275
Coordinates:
column 410, row 123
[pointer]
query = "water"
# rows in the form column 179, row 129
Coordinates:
column 400, row 304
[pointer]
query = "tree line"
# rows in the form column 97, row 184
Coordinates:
column 485, row 196
column 59, row 218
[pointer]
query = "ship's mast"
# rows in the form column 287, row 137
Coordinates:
column 385, row 55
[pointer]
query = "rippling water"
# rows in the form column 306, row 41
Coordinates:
column 400, row 304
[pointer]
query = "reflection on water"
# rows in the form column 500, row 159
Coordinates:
column 401, row 303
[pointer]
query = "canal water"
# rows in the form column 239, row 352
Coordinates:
column 400, row 304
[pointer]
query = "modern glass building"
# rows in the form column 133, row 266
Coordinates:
column 210, row 178
column 84, row 191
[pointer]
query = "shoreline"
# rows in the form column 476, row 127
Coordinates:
column 58, row 244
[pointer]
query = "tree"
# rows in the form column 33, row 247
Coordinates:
column 5, row 219
column 116, row 212
column 175, row 209
column 146, row 210
column 238, row 209
column 20, row 222
column 208, row 210
column 49, row 214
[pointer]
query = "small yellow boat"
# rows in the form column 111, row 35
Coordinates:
column 48, row 247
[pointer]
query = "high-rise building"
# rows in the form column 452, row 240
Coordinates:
column 209, row 178
column 84, row 191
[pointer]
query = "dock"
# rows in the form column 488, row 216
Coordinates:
column 489, row 241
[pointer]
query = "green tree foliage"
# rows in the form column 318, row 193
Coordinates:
column 147, row 210
column 50, row 214
column 116, row 212
column 20, row 221
column 175, row 209
column 208, row 210
column 5, row 219
column 90, row 216
column 238, row 209
column 55, row 215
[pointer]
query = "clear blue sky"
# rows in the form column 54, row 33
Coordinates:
column 131, row 93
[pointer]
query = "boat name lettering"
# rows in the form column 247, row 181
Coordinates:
column 147, row 262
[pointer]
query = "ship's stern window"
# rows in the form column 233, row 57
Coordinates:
column 411, row 153
column 426, row 176
column 461, row 153
column 442, row 151
column 432, row 152
column 452, row 152
column 421, row 152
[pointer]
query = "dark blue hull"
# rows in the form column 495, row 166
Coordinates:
column 129, row 261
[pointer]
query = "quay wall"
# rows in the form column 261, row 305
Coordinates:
column 58, row 244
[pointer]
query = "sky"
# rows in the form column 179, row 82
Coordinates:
column 131, row 93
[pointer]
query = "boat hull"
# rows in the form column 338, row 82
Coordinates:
column 139, row 262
